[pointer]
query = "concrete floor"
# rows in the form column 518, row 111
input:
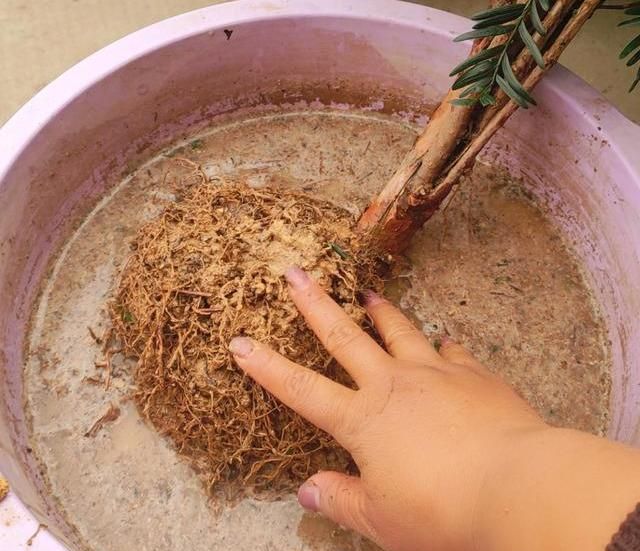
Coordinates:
column 37, row 44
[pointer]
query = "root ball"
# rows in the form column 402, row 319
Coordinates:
column 210, row 268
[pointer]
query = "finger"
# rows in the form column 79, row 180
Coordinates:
column 401, row 338
column 455, row 353
column 341, row 498
column 356, row 351
column 318, row 399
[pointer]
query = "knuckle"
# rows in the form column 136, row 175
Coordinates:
column 398, row 332
column 340, row 335
column 343, row 422
column 346, row 424
column 299, row 384
column 352, row 421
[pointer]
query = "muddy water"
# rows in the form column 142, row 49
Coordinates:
column 490, row 270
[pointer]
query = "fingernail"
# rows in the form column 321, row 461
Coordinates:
column 241, row 346
column 371, row 298
column 297, row 278
column 309, row 496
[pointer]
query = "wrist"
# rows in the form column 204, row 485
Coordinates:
column 556, row 489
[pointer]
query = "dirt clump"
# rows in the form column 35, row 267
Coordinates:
column 210, row 268
column 4, row 488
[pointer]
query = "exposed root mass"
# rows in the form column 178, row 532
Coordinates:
column 206, row 270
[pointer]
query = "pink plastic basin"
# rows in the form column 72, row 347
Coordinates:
column 64, row 149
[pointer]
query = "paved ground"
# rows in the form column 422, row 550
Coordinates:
column 37, row 43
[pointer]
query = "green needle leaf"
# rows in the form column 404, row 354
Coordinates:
column 513, row 11
column 530, row 44
column 492, row 21
column 339, row 251
column 634, row 59
column 487, row 99
column 535, row 20
column 635, row 43
column 471, row 77
column 479, row 67
column 481, row 33
column 484, row 54
column 513, row 81
column 633, row 21
column 511, row 92
column 478, row 76
column 633, row 47
column 464, row 102
column 635, row 82
column 477, row 88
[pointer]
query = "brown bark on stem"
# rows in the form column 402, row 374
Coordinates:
column 425, row 160
column 582, row 15
column 418, row 189
column 433, row 148
column 431, row 151
column 524, row 62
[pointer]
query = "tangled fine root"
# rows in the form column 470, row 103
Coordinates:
column 210, row 268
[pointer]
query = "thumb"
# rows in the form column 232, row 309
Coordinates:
column 340, row 498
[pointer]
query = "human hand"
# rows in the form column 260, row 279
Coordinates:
column 442, row 444
column 425, row 428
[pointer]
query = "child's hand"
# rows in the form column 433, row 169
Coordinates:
column 445, row 449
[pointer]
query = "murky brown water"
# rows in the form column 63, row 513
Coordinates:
column 490, row 270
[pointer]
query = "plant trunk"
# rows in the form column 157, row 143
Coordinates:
column 429, row 155
column 455, row 135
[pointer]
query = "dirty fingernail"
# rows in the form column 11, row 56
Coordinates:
column 309, row 496
column 371, row 298
column 241, row 346
column 297, row 278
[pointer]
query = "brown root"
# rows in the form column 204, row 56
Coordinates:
column 209, row 269
column 108, row 416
